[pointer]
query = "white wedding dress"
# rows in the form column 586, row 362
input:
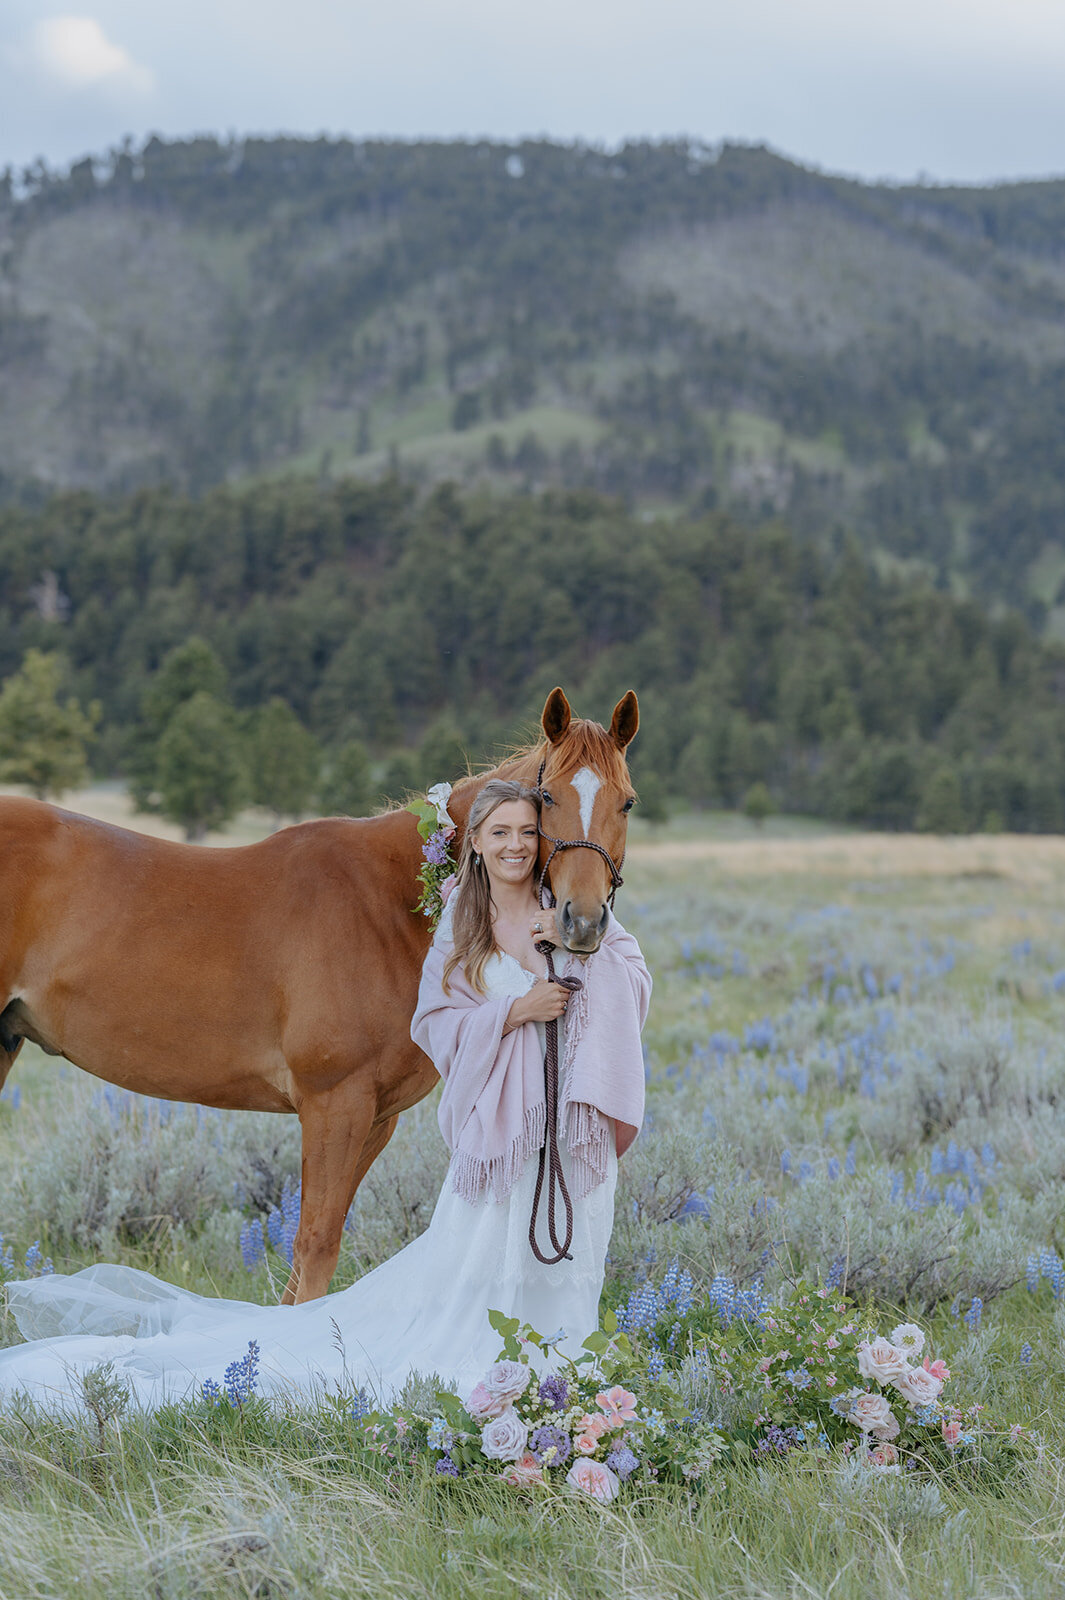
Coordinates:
column 425, row 1310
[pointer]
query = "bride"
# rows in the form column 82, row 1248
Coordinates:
column 482, row 1008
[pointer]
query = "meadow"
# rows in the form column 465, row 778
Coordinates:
column 854, row 1074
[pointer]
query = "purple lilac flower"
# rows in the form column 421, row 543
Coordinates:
column 435, row 849
column 554, row 1392
column 447, row 1468
column 623, row 1462
column 545, row 1439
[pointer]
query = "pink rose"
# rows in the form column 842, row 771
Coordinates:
column 483, row 1404
column 507, row 1380
column 938, row 1369
column 586, row 1444
column 618, row 1404
column 919, row 1387
column 871, row 1413
column 880, row 1362
column 593, row 1425
column 952, row 1432
column 505, row 1438
column 884, row 1455
column 522, row 1472
column 592, row 1478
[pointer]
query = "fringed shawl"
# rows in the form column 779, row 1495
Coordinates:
column 492, row 1110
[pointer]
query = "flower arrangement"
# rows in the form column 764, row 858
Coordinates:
column 436, row 829
column 578, row 1428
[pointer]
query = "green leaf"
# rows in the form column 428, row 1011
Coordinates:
column 503, row 1325
column 610, row 1322
column 597, row 1343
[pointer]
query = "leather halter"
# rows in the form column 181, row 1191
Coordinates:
column 616, row 880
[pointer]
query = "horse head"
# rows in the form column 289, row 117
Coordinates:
column 587, row 797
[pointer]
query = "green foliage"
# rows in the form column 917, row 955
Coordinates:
column 346, row 788
column 941, row 809
column 202, row 779
column 189, row 669
column 283, row 760
column 43, row 743
column 758, row 803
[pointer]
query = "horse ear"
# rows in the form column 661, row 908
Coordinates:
column 625, row 721
column 556, row 715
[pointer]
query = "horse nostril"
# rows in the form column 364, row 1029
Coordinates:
column 604, row 919
column 565, row 918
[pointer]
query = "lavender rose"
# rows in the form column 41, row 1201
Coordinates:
column 505, row 1438
column 507, row 1380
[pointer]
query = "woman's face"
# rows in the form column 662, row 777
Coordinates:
column 507, row 842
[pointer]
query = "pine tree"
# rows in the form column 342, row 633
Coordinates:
column 189, row 669
column 347, row 788
column 42, row 743
column 200, row 773
column 283, row 760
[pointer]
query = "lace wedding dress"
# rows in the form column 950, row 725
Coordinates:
column 425, row 1310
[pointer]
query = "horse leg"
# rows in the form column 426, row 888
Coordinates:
column 340, row 1140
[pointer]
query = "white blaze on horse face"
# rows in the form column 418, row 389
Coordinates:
column 587, row 784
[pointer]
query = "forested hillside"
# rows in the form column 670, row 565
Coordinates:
column 401, row 620
column 690, row 329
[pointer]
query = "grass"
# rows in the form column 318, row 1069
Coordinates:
column 739, row 925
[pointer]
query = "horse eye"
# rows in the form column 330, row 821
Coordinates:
column 546, row 798
column 628, row 805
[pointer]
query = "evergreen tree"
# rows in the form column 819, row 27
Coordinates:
column 442, row 754
column 400, row 778
column 42, row 743
column 192, row 668
column 347, row 787
column 941, row 809
column 283, row 760
column 654, row 805
column 200, row 774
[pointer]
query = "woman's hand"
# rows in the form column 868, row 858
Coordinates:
column 545, row 1002
column 543, row 928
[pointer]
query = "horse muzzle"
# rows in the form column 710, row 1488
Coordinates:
column 582, row 934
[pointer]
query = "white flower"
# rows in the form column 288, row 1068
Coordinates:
column 908, row 1337
column 872, row 1414
column 438, row 796
column 505, row 1438
column 879, row 1361
column 507, row 1380
column 919, row 1387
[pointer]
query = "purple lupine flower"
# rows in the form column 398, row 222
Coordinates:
column 554, row 1392
column 252, row 1243
column 623, row 1462
column 447, row 1468
column 242, row 1376
column 545, row 1439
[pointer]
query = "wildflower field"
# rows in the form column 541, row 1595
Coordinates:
column 856, row 1124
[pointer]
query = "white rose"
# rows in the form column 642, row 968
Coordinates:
column 507, row 1380
column 909, row 1338
column 880, row 1361
column 871, row 1413
column 505, row 1438
column 919, row 1387
column 886, row 1430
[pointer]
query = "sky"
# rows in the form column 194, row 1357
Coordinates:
column 948, row 90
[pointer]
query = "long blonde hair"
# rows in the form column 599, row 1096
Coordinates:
column 474, row 942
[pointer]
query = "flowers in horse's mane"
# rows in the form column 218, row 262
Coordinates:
column 437, row 829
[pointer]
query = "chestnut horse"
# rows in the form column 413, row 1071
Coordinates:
column 278, row 976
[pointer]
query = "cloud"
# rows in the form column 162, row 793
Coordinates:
column 77, row 52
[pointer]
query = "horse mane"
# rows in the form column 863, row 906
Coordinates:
column 584, row 744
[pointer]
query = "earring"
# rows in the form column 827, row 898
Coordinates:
column 476, row 859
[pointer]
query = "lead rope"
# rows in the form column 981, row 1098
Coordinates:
column 550, row 1156
column 550, row 1159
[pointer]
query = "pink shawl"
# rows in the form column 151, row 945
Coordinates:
column 492, row 1111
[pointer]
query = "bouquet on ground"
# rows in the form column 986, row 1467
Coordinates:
column 581, row 1426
